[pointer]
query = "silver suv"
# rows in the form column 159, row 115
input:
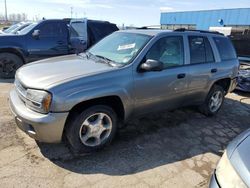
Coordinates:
column 86, row 97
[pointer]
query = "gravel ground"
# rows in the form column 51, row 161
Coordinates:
column 171, row 149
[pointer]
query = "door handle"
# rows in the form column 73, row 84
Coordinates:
column 60, row 42
column 181, row 76
column 214, row 70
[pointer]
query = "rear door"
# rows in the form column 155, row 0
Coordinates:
column 200, row 71
column 97, row 30
column 165, row 89
column 78, row 35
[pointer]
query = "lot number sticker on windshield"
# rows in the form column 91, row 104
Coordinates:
column 126, row 47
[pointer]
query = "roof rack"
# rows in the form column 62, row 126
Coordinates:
column 200, row 31
column 150, row 27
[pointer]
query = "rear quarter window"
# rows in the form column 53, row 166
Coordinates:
column 225, row 48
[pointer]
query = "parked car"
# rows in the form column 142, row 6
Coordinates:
column 4, row 28
column 244, row 75
column 233, row 168
column 49, row 38
column 11, row 28
column 16, row 28
column 86, row 97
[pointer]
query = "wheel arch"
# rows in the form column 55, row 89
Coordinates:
column 15, row 51
column 224, row 83
column 113, row 101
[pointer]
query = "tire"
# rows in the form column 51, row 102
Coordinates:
column 83, row 138
column 207, row 108
column 9, row 63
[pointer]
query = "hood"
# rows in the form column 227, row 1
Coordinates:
column 50, row 72
column 240, row 158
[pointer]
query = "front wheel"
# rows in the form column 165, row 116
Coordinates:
column 214, row 101
column 91, row 130
column 9, row 63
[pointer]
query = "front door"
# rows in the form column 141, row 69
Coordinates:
column 52, row 41
column 165, row 89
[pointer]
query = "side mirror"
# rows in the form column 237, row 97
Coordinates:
column 36, row 34
column 151, row 65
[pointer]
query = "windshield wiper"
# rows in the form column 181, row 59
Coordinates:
column 102, row 57
column 88, row 55
column 107, row 60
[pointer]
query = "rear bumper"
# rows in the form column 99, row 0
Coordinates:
column 232, row 85
column 42, row 127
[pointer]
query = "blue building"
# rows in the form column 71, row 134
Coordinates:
column 237, row 19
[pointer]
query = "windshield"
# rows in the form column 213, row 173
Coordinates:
column 120, row 47
column 27, row 29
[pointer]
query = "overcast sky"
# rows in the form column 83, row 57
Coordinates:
column 136, row 12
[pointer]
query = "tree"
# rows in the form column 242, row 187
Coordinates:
column 18, row 17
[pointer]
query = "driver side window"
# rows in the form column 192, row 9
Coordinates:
column 52, row 30
column 168, row 50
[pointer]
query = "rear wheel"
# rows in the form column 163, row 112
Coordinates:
column 91, row 130
column 9, row 63
column 214, row 101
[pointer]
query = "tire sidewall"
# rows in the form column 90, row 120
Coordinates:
column 72, row 133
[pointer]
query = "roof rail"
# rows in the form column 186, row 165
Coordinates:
column 200, row 31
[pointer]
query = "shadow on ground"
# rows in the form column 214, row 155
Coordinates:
column 157, row 140
column 6, row 80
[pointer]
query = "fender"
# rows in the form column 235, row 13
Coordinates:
column 87, row 94
column 15, row 50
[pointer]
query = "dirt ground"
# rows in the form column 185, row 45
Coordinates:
column 171, row 149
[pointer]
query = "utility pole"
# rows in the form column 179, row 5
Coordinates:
column 6, row 15
column 71, row 11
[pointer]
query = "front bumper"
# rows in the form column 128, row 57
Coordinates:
column 213, row 182
column 46, row 128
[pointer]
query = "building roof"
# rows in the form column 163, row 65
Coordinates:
column 204, row 19
column 209, row 10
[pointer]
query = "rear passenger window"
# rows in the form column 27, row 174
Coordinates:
column 200, row 50
column 209, row 51
column 225, row 48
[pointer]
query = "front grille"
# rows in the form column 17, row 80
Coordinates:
column 21, row 90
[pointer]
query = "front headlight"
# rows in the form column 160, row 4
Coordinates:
column 226, row 175
column 38, row 100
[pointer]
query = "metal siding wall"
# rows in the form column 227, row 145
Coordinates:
column 205, row 19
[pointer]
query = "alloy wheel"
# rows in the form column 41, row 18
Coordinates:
column 95, row 129
column 216, row 101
